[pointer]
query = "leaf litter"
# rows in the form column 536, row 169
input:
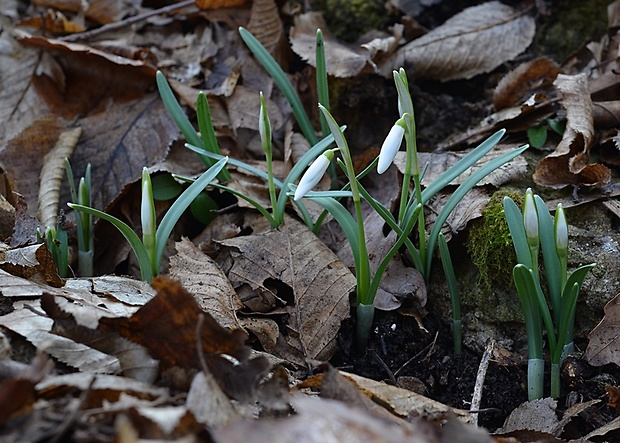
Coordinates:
column 112, row 339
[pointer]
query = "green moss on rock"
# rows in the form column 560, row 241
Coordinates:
column 490, row 244
column 348, row 19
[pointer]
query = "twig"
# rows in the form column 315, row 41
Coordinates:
column 482, row 372
column 127, row 22
column 430, row 345
column 385, row 366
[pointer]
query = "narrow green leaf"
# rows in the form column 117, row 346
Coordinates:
column 526, row 289
column 278, row 75
column 514, row 218
column 131, row 237
column 180, row 205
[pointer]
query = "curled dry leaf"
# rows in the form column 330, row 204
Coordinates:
column 266, row 25
column 53, row 174
column 568, row 164
column 475, row 41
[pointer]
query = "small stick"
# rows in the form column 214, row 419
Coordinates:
column 482, row 372
column 127, row 22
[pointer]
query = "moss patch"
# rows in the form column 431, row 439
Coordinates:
column 348, row 19
column 490, row 244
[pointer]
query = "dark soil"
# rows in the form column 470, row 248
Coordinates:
column 399, row 348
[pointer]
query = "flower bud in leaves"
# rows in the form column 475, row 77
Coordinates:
column 264, row 126
column 390, row 146
column 561, row 232
column 314, row 173
column 530, row 219
column 147, row 212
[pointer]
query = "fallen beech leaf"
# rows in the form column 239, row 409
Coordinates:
column 217, row 4
column 22, row 158
column 101, row 387
column 54, row 22
column 209, row 405
column 75, row 90
column 515, row 87
column 32, row 262
column 340, row 60
column 99, row 11
column 475, row 41
column 604, row 345
column 201, row 276
column 332, row 421
column 36, row 328
column 166, row 326
column 568, row 164
column 20, row 105
column 538, row 415
column 292, row 264
column 403, row 402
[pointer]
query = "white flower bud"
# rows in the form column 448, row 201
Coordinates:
column 147, row 212
column 314, row 173
column 390, row 146
column 530, row 219
column 561, row 231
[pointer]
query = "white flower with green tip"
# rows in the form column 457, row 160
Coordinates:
column 314, row 173
column 391, row 146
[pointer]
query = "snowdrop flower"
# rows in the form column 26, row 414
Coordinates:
column 530, row 219
column 390, row 146
column 314, row 173
column 561, row 232
column 147, row 212
column 264, row 125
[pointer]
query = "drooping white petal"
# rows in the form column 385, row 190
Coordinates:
column 390, row 147
column 313, row 174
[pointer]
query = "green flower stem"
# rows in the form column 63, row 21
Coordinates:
column 322, row 89
column 365, row 316
column 448, row 268
column 278, row 75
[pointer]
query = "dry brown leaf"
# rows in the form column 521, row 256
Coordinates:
column 68, row 86
column 604, row 344
column 475, row 41
column 340, row 60
column 53, row 175
column 99, row 11
column 292, row 264
column 515, row 87
column 202, row 276
column 568, row 164
column 101, row 388
column 20, row 105
column 22, row 158
column 217, row 4
column 538, row 415
column 265, row 24
column 35, row 328
column 32, row 262
column 209, row 405
column 167, row 325
column 330, row 420
column 403, row 402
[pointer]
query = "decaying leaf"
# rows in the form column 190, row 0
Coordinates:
column 208, row 403
column 568, row 164
column 538, row 415
column 266, row 25
column 166, row 327
column 604, row 340
column 53, row 174
column 475, row 41
column 293, row 265
column 340, row 60
column 200, row 275
column 520, row 83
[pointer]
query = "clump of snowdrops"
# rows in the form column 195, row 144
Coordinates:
column 529, row 231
